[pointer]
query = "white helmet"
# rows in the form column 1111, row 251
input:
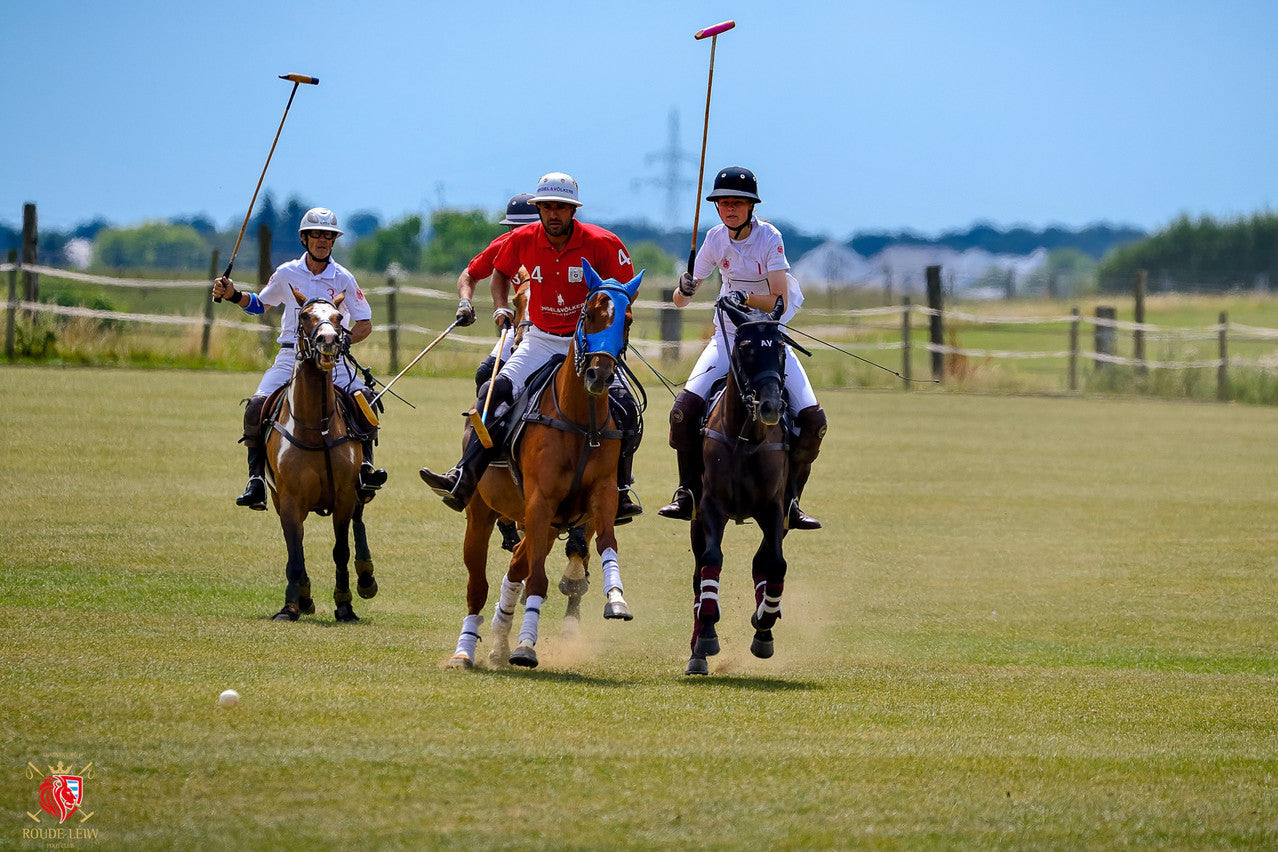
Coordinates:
column 319, row 219
column 556, row 186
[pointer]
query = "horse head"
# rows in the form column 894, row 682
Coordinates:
column 603, row 330
column 758, row 362
column 319, row 330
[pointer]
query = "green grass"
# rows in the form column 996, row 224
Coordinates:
column 1030, row 622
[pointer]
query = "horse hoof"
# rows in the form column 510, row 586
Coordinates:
column 460, row 661
column 571, row 626
column 762, row 646
column 288, row 613
column 369, row 589
column 345, row 614
column 525, row 656
column 617, row 609
column 499, row 656
column 307, row 606
column 707, row 646
column 697, row 666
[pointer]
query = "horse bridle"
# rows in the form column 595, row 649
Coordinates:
column 747, row 384
column 307, row 348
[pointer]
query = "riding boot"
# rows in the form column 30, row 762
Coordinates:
column 628, row 506
column 370, row 478
column 685, row 438
column 625, row 413
column 254, row 495
column 458, row 485
column 812, row 425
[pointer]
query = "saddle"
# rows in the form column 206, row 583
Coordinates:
column 527, row 409
column 359, row 426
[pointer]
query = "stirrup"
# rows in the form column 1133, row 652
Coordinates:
column 253, row 497
column 628, row 506
column 370, row 478
column 681, row 507
column 797, row 519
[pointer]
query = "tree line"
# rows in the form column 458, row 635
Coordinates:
column 1199, row 254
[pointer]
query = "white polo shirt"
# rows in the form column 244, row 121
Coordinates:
column 328, row 284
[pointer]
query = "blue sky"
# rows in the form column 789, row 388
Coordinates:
column 856, row 116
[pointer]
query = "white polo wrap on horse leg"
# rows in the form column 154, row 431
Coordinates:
column 532, row 616
column 611, row 571
column 504, row 615
column 469, row 636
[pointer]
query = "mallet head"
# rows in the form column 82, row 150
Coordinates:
column 715, row 30
column 313, row 81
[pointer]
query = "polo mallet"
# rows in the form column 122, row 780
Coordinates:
column 711, row 33
column 297, row 80
column 477, row 418
column 413, row 363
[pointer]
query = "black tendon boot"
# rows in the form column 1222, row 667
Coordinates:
column 812, row 425
column 685, row 438
column 254, row 495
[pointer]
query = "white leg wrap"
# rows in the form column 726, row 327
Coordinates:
column 611, row 570
column 710, row 590
column 469, row 635
column 532, row 616
column 504, row 616
column 770, row 606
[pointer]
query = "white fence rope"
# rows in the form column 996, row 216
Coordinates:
column 1235, row 331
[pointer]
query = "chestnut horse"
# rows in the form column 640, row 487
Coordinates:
column 746, row 465
column 566, row 463
column 312, row 463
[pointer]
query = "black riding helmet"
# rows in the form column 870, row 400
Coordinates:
column 520, row 210
column 735, row 182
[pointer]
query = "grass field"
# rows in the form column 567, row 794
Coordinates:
column 1030, row 622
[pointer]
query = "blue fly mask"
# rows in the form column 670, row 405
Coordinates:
column 610, row 340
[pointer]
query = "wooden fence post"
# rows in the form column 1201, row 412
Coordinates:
column 936, row 325
column 906, row 334
column 1073, row 350
column 208, row 310
column 30, row 254
column 1105, row 334
column 671, row 327
column 11, row 312
column 264, row 270
column 392, row 317
column 1138, row 338
column 1222, row 372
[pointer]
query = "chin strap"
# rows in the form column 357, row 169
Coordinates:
column 736, row 232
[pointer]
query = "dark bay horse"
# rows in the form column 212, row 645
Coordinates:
column 312, row 464
column 746, row 465
column 563, row 474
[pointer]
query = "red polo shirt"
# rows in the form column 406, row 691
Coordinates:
column 481, row 265
column 558, row 282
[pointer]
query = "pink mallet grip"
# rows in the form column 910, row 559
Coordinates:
column 715, row 30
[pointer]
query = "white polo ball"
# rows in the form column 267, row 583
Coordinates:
column 228, row 699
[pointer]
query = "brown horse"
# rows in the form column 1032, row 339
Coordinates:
column 564, row 474
column 746, row 466
column 312, row 463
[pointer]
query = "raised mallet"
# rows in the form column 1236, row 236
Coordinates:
column 297, row 80
column 711, row 33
